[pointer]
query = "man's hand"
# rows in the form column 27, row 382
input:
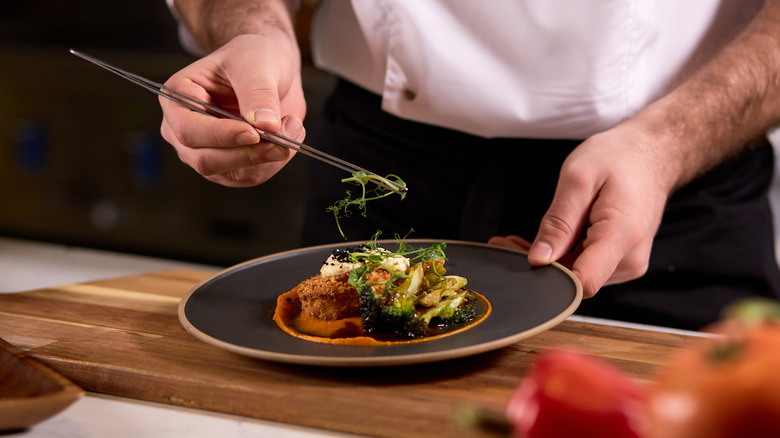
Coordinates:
column 615, row 193
column 255, row 75
column 613, row 187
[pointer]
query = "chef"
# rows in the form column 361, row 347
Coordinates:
column 626, row 140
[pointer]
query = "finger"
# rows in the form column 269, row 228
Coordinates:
column 247, row 177
column 563, row 222
column 214, row 161
column 196, row 130
column 511, row 241
column 612, row 253
column 193, row 129
column 275, row 158
column 257, row 90
column 292, row 128
column 243, row 164
column 594, row 267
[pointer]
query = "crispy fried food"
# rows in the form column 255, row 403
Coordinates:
column 331, row 298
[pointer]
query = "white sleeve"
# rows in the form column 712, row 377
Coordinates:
column 186, row 39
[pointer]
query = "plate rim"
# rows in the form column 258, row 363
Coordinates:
column 367, row 361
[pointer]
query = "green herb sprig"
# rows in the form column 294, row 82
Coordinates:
column 341, row 209
column 373, row 256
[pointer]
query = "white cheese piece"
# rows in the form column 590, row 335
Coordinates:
column 396, row 263
column 334, row 267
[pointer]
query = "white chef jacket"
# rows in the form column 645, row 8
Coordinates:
column 521, row 68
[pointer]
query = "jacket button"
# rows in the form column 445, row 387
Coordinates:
column 409, row 94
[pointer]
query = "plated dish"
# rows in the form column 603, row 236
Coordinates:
column 233, row 310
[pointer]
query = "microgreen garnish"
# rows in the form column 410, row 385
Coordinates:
column 341, row 209
column 372, row 256
column 435, row 251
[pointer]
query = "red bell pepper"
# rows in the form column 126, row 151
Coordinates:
column 570, row 394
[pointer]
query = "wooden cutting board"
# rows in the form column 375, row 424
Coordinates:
column 122, row 337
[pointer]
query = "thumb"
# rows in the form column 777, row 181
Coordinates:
column 257, row 93
column 264, row 118
column 560, row 227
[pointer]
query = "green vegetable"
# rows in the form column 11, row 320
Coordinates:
column 409, row 302
column 384, row 187
column 386, row 313
column 453, row 310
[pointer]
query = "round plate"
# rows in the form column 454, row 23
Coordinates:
column 233, row 310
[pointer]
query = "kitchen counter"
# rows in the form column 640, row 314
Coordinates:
column 28, row 266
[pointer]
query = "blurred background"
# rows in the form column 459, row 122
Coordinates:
column 81, row 158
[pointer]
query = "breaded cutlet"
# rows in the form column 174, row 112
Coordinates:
column 332, row 298
column 329, row 298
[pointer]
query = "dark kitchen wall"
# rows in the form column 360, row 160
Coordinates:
column 81, row 158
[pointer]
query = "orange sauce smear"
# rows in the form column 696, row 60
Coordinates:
column 347, row 331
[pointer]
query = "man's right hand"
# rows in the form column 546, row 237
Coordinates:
column 254, row 76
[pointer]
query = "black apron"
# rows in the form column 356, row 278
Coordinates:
column 715, row 243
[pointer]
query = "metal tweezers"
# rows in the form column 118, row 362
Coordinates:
column 215, row 111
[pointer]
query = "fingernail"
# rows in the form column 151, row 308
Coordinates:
column 246, row 138
column 541, row 251
column 292, row 127
column 275, row 153
column 264, row 115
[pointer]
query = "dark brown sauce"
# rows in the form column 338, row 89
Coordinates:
column 349, row 331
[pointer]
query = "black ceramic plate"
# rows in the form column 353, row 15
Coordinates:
column 233, row 310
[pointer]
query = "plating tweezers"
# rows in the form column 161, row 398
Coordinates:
column 215, row 111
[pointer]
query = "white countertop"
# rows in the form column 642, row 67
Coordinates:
column 99, row 416
column 29, row 265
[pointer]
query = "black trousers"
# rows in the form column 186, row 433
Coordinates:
column 715, row 244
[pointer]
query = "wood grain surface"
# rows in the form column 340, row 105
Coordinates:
column 122, row 337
